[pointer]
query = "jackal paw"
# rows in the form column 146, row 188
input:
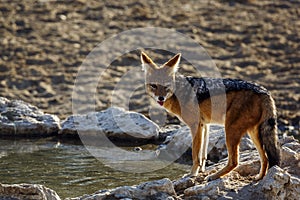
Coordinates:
column 186, row 175
column 202, row 168
column 258, row 177
column 189, row 175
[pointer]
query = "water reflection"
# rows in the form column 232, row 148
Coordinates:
column 67, row 168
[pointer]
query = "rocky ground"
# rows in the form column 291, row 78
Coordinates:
column 43, row 44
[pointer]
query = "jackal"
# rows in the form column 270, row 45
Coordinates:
column 248, row 108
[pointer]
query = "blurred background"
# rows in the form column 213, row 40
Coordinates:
column 44, row 42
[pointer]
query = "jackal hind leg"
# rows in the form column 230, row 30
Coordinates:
column 233, row 138
column 254, row 135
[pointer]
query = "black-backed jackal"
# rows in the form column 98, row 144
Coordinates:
column 198, row 102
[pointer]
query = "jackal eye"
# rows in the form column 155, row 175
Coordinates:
column 153, row 86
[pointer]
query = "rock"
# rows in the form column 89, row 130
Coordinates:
column 18, row 118
column 115, row 123
column 249, row 163
column 183, row 183
column 217, row 149
column 224, row 188
column 27, row 191
column 160, row 189
column 212, row 190
column 290, row 154
column 180, row 140
column 290, row 157
column 278, row 184
column 176, row 144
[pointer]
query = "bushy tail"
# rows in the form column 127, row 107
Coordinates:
column 268, row 132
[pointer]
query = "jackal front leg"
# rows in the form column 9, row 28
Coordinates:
column 197, row 145
column 203, row 150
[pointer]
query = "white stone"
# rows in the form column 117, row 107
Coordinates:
column 212, row 189
column 18, row 118
column 113, row 122
column 27, row 191
column 279, row 184
column 160, row 189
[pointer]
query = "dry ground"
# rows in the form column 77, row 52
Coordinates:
column 44, row 42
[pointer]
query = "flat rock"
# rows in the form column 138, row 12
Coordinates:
column 18, row 118
column 115, row 123
column 212, row 189
column 159, row 189
column 27, row 191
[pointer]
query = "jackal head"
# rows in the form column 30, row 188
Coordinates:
column 160, row 80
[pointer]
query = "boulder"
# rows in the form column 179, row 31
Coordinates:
column 290, row 154
column 183, row 183
column 160, row 189
column 18, row 118
column 115, row 123
column 176, row 144
column 27, row 191
column 278, row 185
column 180, row 140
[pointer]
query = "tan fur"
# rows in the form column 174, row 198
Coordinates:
column 246, row 111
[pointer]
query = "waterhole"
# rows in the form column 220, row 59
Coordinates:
column 68, row 168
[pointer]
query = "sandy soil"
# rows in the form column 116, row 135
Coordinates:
column 43, row 44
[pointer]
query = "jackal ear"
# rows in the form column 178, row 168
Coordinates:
column 147, row 62
column 173, row 63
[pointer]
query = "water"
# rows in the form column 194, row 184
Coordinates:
column 69, row 169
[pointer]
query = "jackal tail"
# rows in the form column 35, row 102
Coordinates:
column 268, row 132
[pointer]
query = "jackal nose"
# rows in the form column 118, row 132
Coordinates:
column 161, row 98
